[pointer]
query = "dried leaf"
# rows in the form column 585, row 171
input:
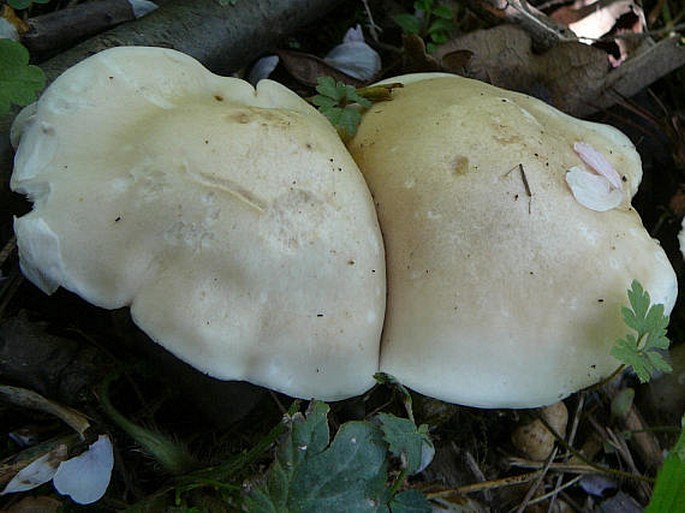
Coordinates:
column 307, row 68
column 568, row 76
column 38, row 472
column 417, row 58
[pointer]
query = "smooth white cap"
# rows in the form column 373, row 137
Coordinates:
column 231, row 219
column 503, row 290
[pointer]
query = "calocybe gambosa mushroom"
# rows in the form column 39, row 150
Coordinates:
column 231, row 219
column 510, row 241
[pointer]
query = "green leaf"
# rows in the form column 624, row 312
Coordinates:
column 325, row 102
column 308, row 476
column 409, row 443
column 641, row 350
column 335, row 101
column 24, row 4
column 327, row 86
column 444, row 12
column 440, row 26
column 390, row 380
column 410, row 501
column 409, row 23
column 19, row 81
column 348, row 122
column 424, row 5
column 669, row 491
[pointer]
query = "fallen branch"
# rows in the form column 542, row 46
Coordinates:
column 544, row 31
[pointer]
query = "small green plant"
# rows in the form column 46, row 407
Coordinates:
column 20, row 82
column 342, row 104
column 338, row 102
column 641, row 350
column 347, row 475
column 431, row 21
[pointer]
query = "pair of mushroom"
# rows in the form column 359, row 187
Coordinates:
column 242, row 234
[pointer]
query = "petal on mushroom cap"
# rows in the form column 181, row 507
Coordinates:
column 598, row 162
column 593, row 191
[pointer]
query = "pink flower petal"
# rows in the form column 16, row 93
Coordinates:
column 599, row 163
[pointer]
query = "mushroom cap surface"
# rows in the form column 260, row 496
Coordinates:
column 231, row 219
column 503, row 290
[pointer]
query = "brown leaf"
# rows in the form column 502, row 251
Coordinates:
column 567, row 76
column 456, row 61
column 307, row 68
column 417, row 59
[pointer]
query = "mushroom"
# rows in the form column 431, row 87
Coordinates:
column 231, row 219
column 503, row 289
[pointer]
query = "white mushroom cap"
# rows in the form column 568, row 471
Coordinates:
column 503, row 290
column 231, row 220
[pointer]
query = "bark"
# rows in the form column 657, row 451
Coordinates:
column 223, row 37
column 543, row 30
column 49, row 33
column 652, row 61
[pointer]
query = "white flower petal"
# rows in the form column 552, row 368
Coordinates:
column 85, row 478
column 593, row 191
column 37, row 472
column 357, row 60
column 262, row 68
column 354, row 57
column 427, row 455
column 598, row 162
column 142, row 8
column 354, row 35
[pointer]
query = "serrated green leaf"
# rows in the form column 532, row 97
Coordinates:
column 327, row 86
column 19, row 81
column 657, row 361
column 325, row 102
column 308, row 435
column 348, row 122
column 641, row 350
column 410, row 501
column 405, row 440
column 335, row 101
column 349, row 476
column 409, row 23
column 354, row 97
column 669, row 490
